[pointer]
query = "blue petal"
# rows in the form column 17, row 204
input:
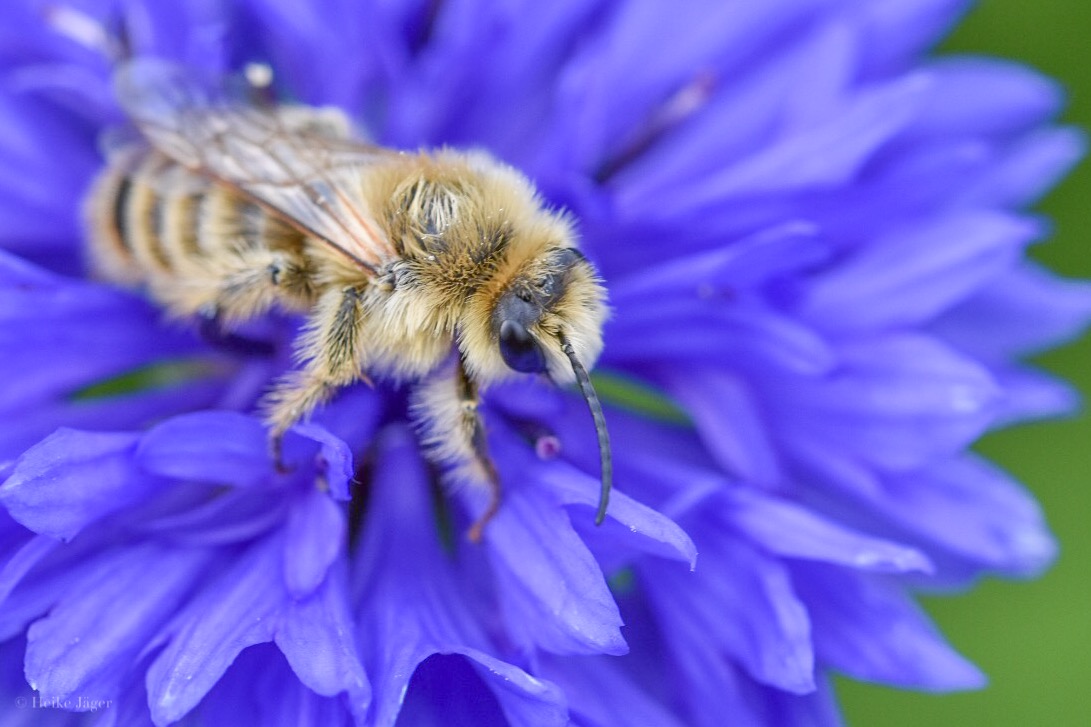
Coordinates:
column 318, row 637
column 353, row 40
column 712, row 331
column 637, row 525
column 898, row 401
column 905, row 278
column 896, row 33
column 23, row 557
column 336, row 458
column 791, row 531
column 822, row 156
column 193, row 515
column 722, row 125
column 455, row 687
column 262, row 686
column 1019, row 313
column 188, row 32
column 237, row 609
column 62, row 336
column 552, row 591
column 817, row 709
column 31, row 34
column 524, row 699
column 708, row 686
column 747, row 263
column 974, row 510
column 1027, row 169
column 869, row 629
column 447, row 692
column 985, row 96
column 600, row 694
column 1031, row 394
column 25, row 599
column 730, row 421
column 49, row 326
column 665, row 463
column 459, row 90
column 82, row 648
column 45, row 163
column 406, row 616
column 112, row 413
column 313, row 537
column 217, row 447
column 739, row 603
column 72, row 479
column 600, row 98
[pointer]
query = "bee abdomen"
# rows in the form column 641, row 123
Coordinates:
column 106, row 219
column 151, row 219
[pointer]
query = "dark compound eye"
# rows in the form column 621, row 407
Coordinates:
column 519, row 349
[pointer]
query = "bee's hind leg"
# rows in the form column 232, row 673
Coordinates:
column 237, row 286
column 227, row 289
column 447, row 408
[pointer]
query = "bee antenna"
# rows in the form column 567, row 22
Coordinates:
column 607, row 462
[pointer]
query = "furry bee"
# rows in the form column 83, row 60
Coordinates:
column 401, row 262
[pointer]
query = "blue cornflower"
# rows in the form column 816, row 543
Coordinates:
column 813, row 238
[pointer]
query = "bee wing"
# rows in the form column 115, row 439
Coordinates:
column 298, row 162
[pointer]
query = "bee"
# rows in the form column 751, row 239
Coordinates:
column 441, row 268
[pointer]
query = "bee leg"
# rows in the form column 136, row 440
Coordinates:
column 238, row 285
column 446, row 408
column 472, row 429
column 276, row 452
column 331, row 348
column 254, row 280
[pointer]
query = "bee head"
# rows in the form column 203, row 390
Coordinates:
column 549, row 321
column 558, row 299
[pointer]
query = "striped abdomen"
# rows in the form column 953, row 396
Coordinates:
column 155, row 223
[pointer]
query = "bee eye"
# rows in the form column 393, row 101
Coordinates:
column 519, row 349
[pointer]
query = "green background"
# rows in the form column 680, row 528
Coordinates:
column 1033, row 639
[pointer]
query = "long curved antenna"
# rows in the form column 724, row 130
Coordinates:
column 606, row 459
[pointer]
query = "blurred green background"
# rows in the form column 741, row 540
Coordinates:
column 1033, row 639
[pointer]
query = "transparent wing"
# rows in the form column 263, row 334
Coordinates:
column 301, row 163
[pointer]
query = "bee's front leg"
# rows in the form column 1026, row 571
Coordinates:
column 472, row 428
column 447, row 408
